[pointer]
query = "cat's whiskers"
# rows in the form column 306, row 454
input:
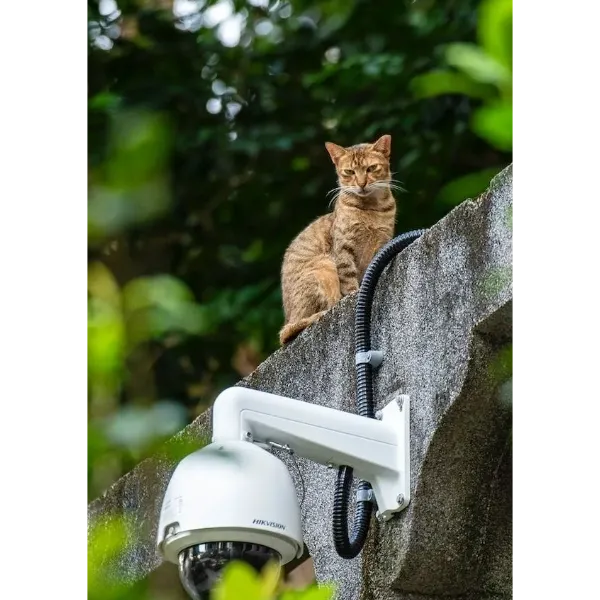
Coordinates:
column 397, row 181
column 389, row 183
column 332, row 192
column 336, row 191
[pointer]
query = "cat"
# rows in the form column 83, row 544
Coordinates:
column 328, row 259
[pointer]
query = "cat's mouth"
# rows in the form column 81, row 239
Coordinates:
column 364, row 193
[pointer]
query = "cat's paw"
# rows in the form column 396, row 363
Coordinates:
column 349, row 288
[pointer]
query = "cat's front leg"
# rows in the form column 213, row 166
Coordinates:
column 346, row 267
column 349, row 287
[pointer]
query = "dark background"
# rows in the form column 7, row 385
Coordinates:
column 191, row 209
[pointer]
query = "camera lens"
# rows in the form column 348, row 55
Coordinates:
column 200, row 566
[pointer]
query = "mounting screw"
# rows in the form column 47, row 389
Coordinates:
column 171, row 530
column 383, row 517
column 248, row 436
column 400, row 499
column 379, row 415
column 330, row 465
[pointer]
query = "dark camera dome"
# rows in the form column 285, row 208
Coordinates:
column 200, row 566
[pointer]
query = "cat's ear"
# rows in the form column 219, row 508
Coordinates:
column 336, row 152
column 384, row 145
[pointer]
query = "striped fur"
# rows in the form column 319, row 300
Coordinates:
column 327, row 260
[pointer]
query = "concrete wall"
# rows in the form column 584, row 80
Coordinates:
column 443, row 316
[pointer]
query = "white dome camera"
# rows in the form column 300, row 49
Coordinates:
column 228, row 501
column 234, row 500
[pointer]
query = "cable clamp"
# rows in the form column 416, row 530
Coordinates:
column 364, row 495
column 372, row 357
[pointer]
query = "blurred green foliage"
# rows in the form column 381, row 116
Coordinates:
column 239, row 580
column 501, row 365
column 109, row 539
column 206, row 149
column 132, row 184
column 482, row 71
column 206, row 126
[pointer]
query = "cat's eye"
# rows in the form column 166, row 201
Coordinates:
column 372, row 168
column 347, row 172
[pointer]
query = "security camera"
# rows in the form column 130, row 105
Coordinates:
column 235, row 500
column 229, row 501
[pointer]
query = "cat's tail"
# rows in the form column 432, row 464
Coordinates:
column 291, row 330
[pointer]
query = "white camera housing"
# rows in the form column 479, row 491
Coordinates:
column 231, row 491
column 235, row 490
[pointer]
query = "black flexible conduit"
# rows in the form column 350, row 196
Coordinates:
column 348, row 546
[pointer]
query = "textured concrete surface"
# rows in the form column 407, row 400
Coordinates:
column 443, row 316
column 517, row 229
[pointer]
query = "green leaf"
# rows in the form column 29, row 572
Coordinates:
column 155, row 322
column 494, row 124
column 481, row 67
column 300, row 163
column 239, row 581
column 501, row 366
column 179, row 446
column 114, row 207
column 495, row 30
column 140, row 144
column 254, row 252
column 133, row 184
column 97, row 443
column 469, row 186
column 161, row 304
column 106, row 340
column 436, row 83
column 317, row 593
column 157, row 291
column 139, row 427
column 103, row 285
column 104, row 101
column 106, row 540
column 313, row 592
column 269, row 581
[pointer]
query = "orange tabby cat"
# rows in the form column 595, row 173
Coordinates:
column 328, row 259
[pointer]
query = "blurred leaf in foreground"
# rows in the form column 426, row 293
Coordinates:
column 159, row 305
column 440, row 82
column 242, row 582
column 133, row 184
column 477, row 64
column 135, row 427
column 107, row 540
column 501, row 367
column 483, row 71
column 494, row 123
column 495, row 30
column 106, row 334
column 469, row 186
